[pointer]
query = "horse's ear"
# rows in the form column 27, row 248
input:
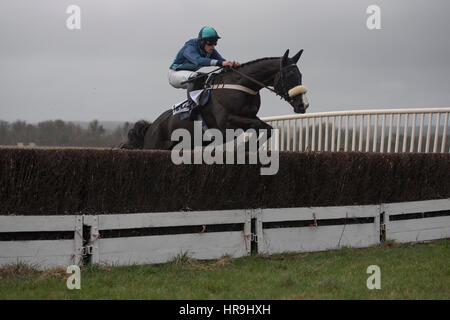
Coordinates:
column 284, row 60
column 297, row 56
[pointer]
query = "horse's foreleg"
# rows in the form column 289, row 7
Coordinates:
column 238, row 122
column 263, row 132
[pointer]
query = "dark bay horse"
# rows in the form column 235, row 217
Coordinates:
column 233, row 104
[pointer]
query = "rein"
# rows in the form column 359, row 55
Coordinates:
column 253, row 80
column 287, row 96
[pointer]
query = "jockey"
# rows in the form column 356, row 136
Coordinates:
column 195, row 54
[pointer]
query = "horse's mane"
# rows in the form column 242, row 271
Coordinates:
column 226, row 70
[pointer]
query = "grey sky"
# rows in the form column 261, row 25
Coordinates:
column 115, row 67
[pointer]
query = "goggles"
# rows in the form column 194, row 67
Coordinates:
column 211, row 42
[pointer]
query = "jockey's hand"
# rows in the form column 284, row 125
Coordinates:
column 230, row 64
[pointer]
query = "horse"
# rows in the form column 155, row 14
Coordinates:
column 233, row 104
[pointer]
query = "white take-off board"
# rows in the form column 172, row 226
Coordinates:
column 405, row 224
column 200, row 244
column 42, row 254
column 313, row 236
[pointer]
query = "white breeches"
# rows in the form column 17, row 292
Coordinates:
column 177, row 77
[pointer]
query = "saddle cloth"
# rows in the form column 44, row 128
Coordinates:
column 185, row 106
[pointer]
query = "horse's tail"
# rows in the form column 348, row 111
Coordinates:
column 136, row 135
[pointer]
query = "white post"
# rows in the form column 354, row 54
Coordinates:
column 413, row 133
column 383, row 129
column 78, row 239
column 405, row 133
column 390, row 132
column 368, row 134
column 354, row 133
column 375, row 134
column 307, row 135
column 338, row 146
column 427, row 145
column 419, row 148
column 288, row 141
column 361, row 131
column 397, row 134
column 319, row 148
column 333, row 128
column 313, row 138
column 300, row 139
column 444, row 135
column 346, row 134
column 294, row 146
column 436, row 133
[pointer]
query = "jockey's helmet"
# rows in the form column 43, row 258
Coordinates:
column 207, row 34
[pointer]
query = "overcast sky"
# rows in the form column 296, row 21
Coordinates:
column 115, row 67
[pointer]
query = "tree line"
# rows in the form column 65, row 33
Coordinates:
column 59, row 133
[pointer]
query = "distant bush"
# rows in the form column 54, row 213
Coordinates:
column 57, row 133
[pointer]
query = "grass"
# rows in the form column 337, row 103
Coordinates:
column 408, row 271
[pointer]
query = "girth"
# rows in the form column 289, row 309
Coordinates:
column 232, row 87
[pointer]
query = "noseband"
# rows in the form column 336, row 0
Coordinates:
column 281, row 85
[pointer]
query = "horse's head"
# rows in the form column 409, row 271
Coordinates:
column 288, row 83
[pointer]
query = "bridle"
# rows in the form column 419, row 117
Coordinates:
column 281, row 84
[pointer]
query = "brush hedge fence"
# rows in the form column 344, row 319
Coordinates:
column 94, row 181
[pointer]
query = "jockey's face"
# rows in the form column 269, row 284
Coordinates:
column 209, row 48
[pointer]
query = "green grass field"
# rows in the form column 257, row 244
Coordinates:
column 409, row 271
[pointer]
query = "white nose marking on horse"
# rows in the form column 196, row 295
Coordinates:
column 305, row 101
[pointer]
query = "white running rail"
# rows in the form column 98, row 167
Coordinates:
column 383, row 130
